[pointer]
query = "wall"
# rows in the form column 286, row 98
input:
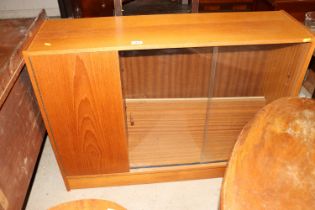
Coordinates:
column 27, row 8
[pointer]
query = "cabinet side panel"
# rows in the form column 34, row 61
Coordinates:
column 82, row 99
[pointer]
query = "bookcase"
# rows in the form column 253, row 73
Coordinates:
column 144, row 99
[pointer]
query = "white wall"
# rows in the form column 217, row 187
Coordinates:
column 27, row 8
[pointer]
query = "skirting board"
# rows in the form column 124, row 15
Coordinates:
column 149, row 175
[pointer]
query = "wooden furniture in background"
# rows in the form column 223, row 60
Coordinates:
column 88, row 204
column 97, row 8
column 222, row 5
column 296, row 8
column 89, row 8
column 272, row 163
column 21, row 127
column 126, row 100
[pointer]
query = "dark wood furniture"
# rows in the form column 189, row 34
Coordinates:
column 222, row 5
column 89, row 8
column 21, row 126
column 97, row 8
column 296, row 8
column 272, row 163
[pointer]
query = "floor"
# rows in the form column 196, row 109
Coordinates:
column 48, row 190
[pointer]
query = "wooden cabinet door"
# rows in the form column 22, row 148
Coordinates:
column 81, row 100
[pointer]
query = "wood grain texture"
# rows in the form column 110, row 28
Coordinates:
column 239, row 71
column 150, row 175
column 259, row 70
column 165, row 131
column 225, row 120
column 167, row 31
column 80, row 95
column 167, row 73
column 88, row 204
column 21, row 135
column 285, row 65
column 272, row 164
column 183, row 131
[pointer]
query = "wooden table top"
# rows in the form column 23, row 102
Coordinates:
column 273, row 162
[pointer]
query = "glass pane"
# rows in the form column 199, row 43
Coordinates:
column 245, row 78
column 166, row 95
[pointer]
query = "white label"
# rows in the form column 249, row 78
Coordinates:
column 136, row 42
column 307, row 39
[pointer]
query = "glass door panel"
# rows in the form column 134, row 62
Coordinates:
column 245, row 78
column 166, row 95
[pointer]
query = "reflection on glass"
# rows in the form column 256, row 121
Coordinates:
column 166, row 95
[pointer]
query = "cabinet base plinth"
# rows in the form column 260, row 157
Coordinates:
column 149, row 175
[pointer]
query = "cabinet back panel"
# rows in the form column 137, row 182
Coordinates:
column 84, row 109
column 167, row 73
column 239, row 71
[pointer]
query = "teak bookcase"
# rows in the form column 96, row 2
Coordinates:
column 144, row 99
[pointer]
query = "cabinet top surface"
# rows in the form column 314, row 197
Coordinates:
column 167, row 31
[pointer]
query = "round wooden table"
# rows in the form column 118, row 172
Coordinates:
column 272, row 166
column 89, row 204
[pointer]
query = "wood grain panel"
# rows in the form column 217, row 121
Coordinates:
column 169, row 73
column 274, row 158
column 150, row 175
column 285, row 69
column 258, row 70
column 165, row 131
column 82, row 101
column 226, row 118
column 172, row 131
column 239, row 71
